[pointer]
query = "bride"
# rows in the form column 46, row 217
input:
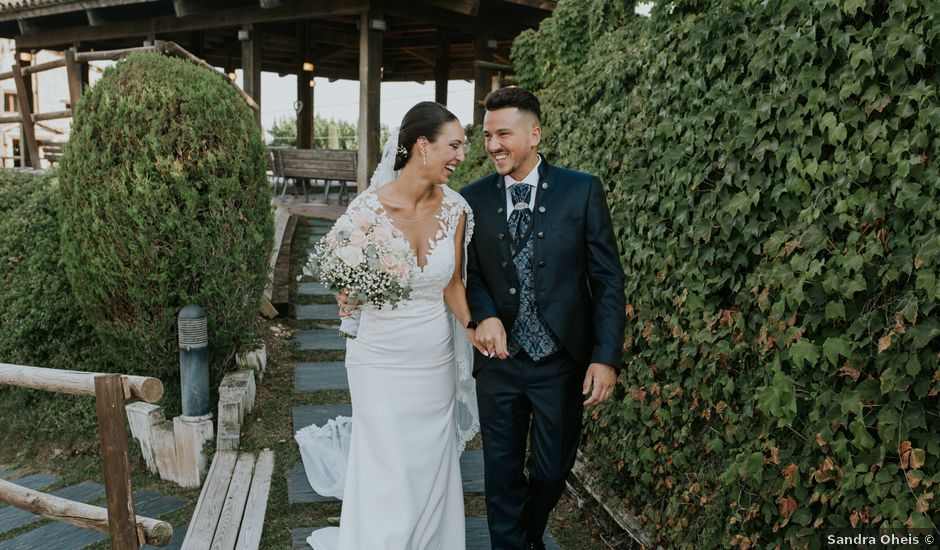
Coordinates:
column 409, row 368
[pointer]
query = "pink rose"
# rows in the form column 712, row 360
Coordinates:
column 357, row 238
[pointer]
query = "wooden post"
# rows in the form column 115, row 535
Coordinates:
column 73, row 72
column 482, row 78
column 109, row 397
column 442, row 67
column 304, row 91
column 24, row 93
column 370, row 80
column 251, row 65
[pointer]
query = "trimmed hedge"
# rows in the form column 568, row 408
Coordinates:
column 39, row 325
column 772, row 172
column 165, row 203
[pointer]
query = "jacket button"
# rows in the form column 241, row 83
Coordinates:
column 499, row 210
column 541, row 209
column 544, row 185
column 512, row 291
column 541, row 234
column 541, row 263
column 500, row 236
column 505, row 264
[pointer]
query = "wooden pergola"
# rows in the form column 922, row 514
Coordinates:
column 366, row 40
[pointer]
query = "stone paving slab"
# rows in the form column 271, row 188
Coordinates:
column 305, row 415
column 327, row 339
column 5, row 474
column 318, row 312
column 471, row 471
column 310, row 377
column 13, row 518
column 299, row 489
column 36, row 482
column 313, row 289
column 478, row 536
column 61, row 536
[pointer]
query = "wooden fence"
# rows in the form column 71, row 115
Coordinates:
column 71, row 61
column 127, row 530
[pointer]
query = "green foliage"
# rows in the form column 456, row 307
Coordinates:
column 164, row 203
column 772, row 172
column 327, row 133
column 39, row 325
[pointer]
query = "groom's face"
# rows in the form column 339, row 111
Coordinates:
column 511, row 137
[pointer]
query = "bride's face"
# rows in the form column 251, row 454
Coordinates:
column 446, row 152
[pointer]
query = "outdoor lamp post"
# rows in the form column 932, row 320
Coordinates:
column 194, row 360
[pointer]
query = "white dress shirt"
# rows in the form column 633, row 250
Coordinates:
column 531, row 179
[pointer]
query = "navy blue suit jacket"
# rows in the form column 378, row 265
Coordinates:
column 578, row 275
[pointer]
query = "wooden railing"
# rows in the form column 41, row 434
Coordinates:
column 71, row 60
column 127, row 530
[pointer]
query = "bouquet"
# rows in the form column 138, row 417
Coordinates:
column 372, row 260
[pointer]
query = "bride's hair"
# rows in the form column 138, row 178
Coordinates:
column 423, row 120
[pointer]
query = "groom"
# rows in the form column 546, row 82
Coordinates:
column 545, row 287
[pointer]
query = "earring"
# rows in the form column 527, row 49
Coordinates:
column 424, row 157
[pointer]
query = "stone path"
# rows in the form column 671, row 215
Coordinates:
column 322, row 376
column 53, row 535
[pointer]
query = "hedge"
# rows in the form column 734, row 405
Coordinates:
column 165, row 203
column 772, row 173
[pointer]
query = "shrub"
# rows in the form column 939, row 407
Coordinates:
column 772, row 169
column 39, row 325
column 165, row 202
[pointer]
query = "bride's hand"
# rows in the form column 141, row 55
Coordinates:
column 342, row 297
column 472, row 336
column 492, row 337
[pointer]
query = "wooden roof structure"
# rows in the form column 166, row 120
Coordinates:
column 413, row 35
column 371, row 41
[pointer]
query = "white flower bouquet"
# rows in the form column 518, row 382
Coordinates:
column 372, row 260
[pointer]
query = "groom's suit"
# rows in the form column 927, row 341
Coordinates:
column 578, row 296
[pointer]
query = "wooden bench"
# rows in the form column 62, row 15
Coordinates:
column 231, row 507
column 52, row 151
column 300, row 165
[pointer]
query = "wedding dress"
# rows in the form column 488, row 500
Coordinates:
column 413, row 411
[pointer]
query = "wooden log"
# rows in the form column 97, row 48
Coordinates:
column 191, row 434
column 142, row 417
column 249, row 534
column 49, row 65
column 370, row 77
column 229, row 437
column 211, row 499
column 7, row 119
column 621, row 516
column 156, row 532
column 74, row 77
column 52, row 115
column 173, row 48
column 226, row 532
column 110, row 55
column 6, row 75
column 25, row 100
column 109, row 400
column 145, row 388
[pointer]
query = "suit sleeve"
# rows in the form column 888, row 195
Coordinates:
column 481, row 303
column 606, row 279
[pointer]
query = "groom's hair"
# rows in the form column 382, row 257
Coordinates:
column 423, row 120
column 504, row 98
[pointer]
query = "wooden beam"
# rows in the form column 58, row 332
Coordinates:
column 268, row 4
column 417, row 54
column 171, row 24
column 442, row 67
column 251, row 65
column 56, row 8
column 109, row 400
column 546, row 5
column 156, row 532
column 24, row 95
column 182, row 8
column 144, row 388
column 482, row 78
column 466, row 7
column 305, row 115
column 27, row 26
column 370, row 80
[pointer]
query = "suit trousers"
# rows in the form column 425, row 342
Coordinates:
column 514, row 395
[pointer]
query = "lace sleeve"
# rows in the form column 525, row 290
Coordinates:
column 467, row 416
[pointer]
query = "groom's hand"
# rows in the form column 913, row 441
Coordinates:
column 491, row 337
column 602, row 377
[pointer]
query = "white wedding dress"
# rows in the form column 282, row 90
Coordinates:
column 402, row 487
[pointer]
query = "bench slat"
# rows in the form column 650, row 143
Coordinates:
column 249, row 535
column 211, row 500
column 226, row 533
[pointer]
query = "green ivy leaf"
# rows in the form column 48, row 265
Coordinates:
column 834, row 347
column 804, row 352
